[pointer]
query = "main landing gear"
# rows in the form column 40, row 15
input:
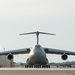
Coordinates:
column 37, row 66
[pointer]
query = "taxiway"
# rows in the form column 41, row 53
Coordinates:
column 37, row 71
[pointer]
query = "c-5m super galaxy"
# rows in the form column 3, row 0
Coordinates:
column 37, row 54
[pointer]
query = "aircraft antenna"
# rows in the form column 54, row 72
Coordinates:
column 37, row 34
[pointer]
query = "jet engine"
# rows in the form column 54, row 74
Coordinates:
column 10, row 56
column 64, row 57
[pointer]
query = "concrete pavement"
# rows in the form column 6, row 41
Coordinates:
column 37, row 71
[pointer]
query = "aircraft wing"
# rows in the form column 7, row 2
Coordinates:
column 58, row 51
column 17, row 51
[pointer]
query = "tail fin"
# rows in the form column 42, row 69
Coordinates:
column 37, row 34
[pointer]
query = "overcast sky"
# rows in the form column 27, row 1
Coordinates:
column 54, row 16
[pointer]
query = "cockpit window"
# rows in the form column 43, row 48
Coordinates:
column 37, row 46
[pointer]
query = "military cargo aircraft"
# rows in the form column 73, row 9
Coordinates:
column 37, row 54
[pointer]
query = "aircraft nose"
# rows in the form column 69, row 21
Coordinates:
column 37, row 57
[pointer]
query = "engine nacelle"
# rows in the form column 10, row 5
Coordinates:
column 10, row 56
column 64, row 57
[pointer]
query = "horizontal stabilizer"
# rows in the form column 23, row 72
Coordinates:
column 28, row 33
column 37, row 34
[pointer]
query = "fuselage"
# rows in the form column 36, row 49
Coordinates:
column 37, row 56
